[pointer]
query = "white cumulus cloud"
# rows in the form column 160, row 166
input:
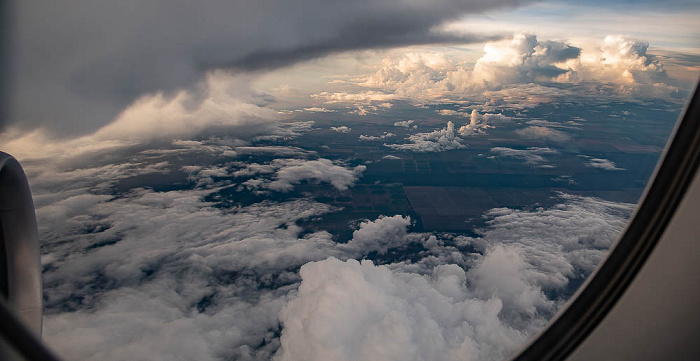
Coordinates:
column 380, row 235
column 359, row 311
column 436, row 141
column 602, row 164
column 292, row 171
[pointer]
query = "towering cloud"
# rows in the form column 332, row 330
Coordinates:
column 479, row 122
column 439, row 140
column 624, row 61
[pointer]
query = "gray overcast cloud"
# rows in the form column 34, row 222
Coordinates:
column 77, row 63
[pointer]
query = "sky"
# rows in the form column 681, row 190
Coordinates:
column 75, row 67
column 107, row 96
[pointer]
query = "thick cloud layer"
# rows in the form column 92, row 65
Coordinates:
column 405, row 123
column 376, row 137
column 126, row 275
column 360, row 311
column 84, row 61
column 429, row 75
column 223, row 104
column 380, row 235
column 566, row 240
column 341, row 129
column 519, row 72
column 478, row 122
column 350, row 311
column 602, row 164
column 522, row 59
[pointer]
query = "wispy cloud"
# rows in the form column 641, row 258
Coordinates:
column 533, row 156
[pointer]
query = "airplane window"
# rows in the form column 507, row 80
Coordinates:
column 300, row 180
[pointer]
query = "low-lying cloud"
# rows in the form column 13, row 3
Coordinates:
column 601, row 163
column 125, row 275
column 289, row 172
column 357, row 310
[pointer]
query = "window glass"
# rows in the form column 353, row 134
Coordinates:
column 298, row 180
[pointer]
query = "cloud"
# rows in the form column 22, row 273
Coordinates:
column 58, row 192
column 220, row 107
column 289, row 172
column 431, row 75
column 284, row 151
column 602, row 164
column 126, row 274
column 524, row 96
column 544, row 133
column 517, row 73
column 380, row 235
column 415, row 74
column 287, row 130
column 204, row 176
column 433, row 310
column 436, row 141
column 574, row 123
column 318, row 110
column 162, row 265
column 359, row 311
column 377, row 137
column 560, row 241
column 404, row 123
column 451, row 112
column 628, row 57
column 341, row 129
column 505, row 274
column 532, row 156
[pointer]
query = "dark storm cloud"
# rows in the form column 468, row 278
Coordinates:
column 77, row 63
column 556, row 51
